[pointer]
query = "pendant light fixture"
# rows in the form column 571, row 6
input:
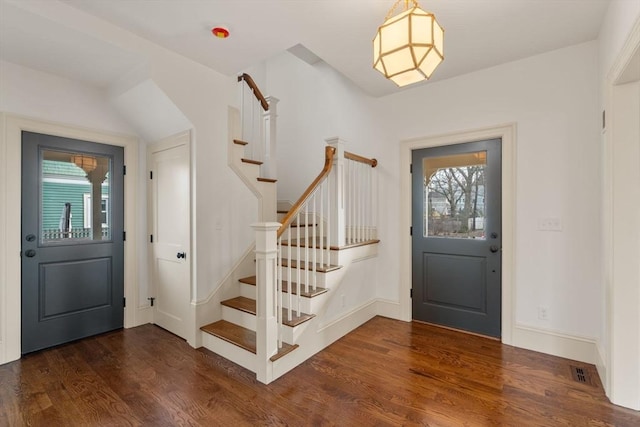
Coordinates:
column 84, row 162
column 409, row 46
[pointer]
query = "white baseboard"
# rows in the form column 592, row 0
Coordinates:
column 601, row 366
column 555, row 343
column 388, row 308
column 143, row 316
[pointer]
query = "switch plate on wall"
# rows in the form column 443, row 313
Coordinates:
column 550, row 224
column 543, row 312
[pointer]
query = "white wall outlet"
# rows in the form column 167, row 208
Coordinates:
column 550, row 224
column 543, row 312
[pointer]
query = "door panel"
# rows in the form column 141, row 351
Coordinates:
column 170, row 199
column 72, row 260
column 456, row 236
column 449, row 281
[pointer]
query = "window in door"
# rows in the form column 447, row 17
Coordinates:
column 454, row 195
column 68, row 181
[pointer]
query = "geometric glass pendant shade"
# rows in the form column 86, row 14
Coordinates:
column 409, row 46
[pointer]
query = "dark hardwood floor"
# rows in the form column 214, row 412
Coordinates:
column 384, row 373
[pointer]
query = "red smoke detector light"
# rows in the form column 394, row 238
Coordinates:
column 220, row 32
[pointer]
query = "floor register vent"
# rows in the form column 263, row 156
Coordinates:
column 580, row 375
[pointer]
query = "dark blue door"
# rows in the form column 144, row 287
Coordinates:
column 456, row 217
column 72, row 240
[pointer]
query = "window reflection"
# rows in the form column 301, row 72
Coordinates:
column 454, row 195
column 69, row 182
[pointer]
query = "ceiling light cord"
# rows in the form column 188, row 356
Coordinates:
column 406, row 7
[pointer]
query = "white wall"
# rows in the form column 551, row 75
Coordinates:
column 552, row 98
column 32, row 93
column 223, row 207
column 317, row 103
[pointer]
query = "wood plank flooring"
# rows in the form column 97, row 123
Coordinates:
column 385, row 373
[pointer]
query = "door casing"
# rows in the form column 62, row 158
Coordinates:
column 508, row 135
column 11, row 127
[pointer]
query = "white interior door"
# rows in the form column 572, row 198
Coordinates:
column 169, row 173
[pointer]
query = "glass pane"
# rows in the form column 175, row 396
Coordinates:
column 67, row 209
column 454, row 195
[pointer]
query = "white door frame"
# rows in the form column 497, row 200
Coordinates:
column 618, row 350
column 508, row 135
column 11, row 127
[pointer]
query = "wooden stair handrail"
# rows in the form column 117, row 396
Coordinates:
column 356, row 158
column 329, row 152
column 256, row 91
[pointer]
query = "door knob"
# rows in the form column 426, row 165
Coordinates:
column 30, row 253
column 494, row 248
column 182, row 255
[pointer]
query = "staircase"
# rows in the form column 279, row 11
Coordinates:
column 269, row 321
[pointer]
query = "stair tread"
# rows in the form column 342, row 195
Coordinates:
column 240, row 142
column 242, row 337
column 247, row 305
column 251, row 280
column 232, row 333
column 253, row 162
column 281, row 211
column 286, row 349
column 267, row 180
column 308, row 265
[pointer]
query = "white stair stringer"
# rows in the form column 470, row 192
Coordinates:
column 249, row 173
column 313, row 336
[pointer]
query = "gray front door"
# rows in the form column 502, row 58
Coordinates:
column 456, row 211
column 72, row 240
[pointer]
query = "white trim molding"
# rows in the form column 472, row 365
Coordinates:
column 555, row 343
column 507, row 133
column 10, row 220
column 618, row 359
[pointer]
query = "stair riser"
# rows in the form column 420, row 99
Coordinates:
column 251, row 171
column 311, row 219
column 247, row 291
column 323, row 280
column 229, row 351
column 307, row 254
column 238, row 151
column 241, row 318
column 308, row 305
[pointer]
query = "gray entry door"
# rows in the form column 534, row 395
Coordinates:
column 72, row 240
column 456, row 211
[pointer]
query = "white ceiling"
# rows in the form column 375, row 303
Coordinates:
column 478, row 33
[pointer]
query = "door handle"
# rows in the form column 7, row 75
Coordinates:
column 494, row 248
column 182, row 255
column 30, row 253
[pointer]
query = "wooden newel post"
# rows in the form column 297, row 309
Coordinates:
column 266, row 275
column 337, row 232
